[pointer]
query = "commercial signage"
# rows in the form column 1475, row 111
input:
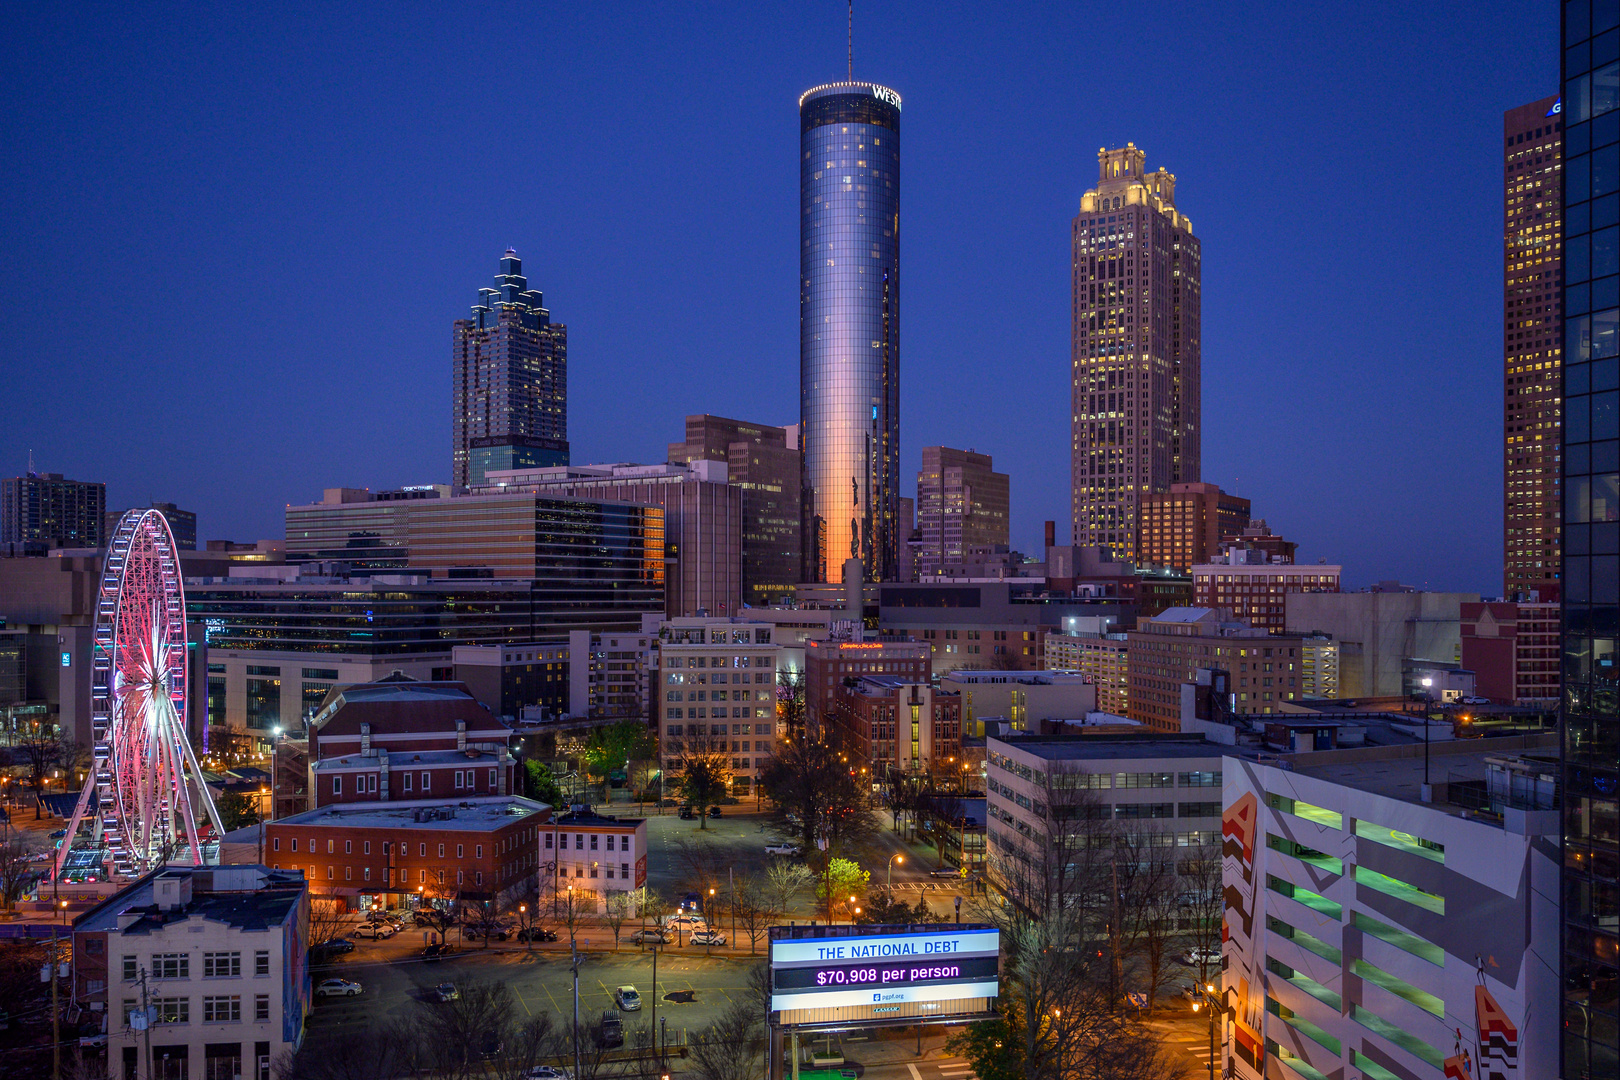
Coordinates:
column 883, row 93
column 884, row 970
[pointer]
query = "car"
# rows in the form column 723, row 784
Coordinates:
column 686, row 924
column 708, row 937
column 547, row 1072
column 435, row 950
column 1200, row 956
column 489, row 1045
column 536, row 933
column 611, row 1031
column 338, row 988
column 494, row 933
column 446, row 991
column 377, row 931
column 649, row 937
column 714, row 811
column 336, row 945
column 58, row 834
column 1476, row 701
column 686, row 814
column 945, row 872
column 783, row 849
column 628, row 997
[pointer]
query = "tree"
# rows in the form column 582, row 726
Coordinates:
column 784, row 881
column 618, row 910
column 433, row 917
column 615, row 745
column 790, row 703
column 236, row 811
column 817, row 796
column 883, row 906
column 702, row 864
column 655, row 906
column 370, row 1052
column 753, row 901
column 40, row 750
column 841, row 880
column 540, row 783
column 1150, row 895
column 326, row 921
column 1203, row 904
column 17, row 869
column 731, row 1048
column 705, row 778
column 483, row 918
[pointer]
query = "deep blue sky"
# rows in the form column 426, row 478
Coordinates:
column 234, row 241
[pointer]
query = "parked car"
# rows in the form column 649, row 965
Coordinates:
column 1202, row 955
column 685, row 924
column 536, row 933
column 783, row 849
column 714, row 811
column 338, row 988
column 945, row 872
column 686, row 814
column 377, row 931
column 649, row 937
column 610, row 1032
column 546, row 1072
column 494, row 933
column 335, row 946
column 708, row 937
column 628, row 997
column 446, row 991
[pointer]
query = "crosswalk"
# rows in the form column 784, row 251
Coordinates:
column 1195, row 1045
column 948, row 1069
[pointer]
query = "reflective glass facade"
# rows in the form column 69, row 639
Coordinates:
column 849, row 342
column 1590, row 109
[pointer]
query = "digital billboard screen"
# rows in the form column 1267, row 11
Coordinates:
column 884, row 967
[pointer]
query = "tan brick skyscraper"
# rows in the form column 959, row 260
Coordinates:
column 1136, row 409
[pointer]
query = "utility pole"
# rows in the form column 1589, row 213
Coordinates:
column 575, row 950
column 56, row 1015
column 655, row 1007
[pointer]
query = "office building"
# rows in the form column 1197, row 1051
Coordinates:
column 1379, row 925
column 1169, row 786
column 585, row 675
column 962, row 505
column 1254, row 588
column 1168, row 650
column 703, row 521
column 1384, row 635
column 764, row 462
column 1025, row 699
column 595, row 856
column 889, row 724
column 1136, row 351
column 1512, row 649
column 717, row 694
column 215, row 953
column 46, row 510
column 828, row 663
column 182, row 523
column 849, row 329
column 509, row 370
column 1184, row 526
column 1532, row 347
column 1591, row 571
column 519, row 536
column 441, row 847
column 1101, row 657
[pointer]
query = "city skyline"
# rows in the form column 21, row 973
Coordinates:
column 986, row 318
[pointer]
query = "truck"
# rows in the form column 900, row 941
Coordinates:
column 610, row 1032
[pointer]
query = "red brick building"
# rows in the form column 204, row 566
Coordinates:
column 1513, row 651
column 475, row 849
column 828, row 663
column 886, row 722
column 388, row 741
column 1254, row 591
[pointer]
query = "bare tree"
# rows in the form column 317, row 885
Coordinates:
column 732, row 1046
column 654, row 906
column 327, row 921
column 481, row 917
column 1203, row 903
column 753, row 900
column 371, row 1052
column 618, row 910
column 784, row 882
column 702, row 863
column 17, row 868
column 482, row 1016
column 40, row 750
column 1150, row 896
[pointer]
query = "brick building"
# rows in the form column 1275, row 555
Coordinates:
column 1245, row 582
column 1184, row 526
column 1513, row 651
column 890, row 723
column 717, row 683
column 1166, row 651
column 478, row 848
column 828, row 663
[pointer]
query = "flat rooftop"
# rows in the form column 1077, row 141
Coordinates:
column 402, row 760
column 1401, row 776
column 486, row 814
column 1112, row 747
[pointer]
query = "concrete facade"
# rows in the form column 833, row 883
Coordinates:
column 1380, row 633
column 1025, row 698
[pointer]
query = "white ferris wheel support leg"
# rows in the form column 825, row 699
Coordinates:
column 202, row 794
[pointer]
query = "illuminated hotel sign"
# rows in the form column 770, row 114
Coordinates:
column 878, row 974
column 883, row 93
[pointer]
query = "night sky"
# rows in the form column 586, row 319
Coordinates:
column 234, row 242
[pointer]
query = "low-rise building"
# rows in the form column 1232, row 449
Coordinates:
column 585, row 675
column 888, row 725
column 197, row 972
column 591, row 857
column 1378, row 925
column 1513, row 650
column 1184, row 526
column 1168, row 650
column 1382, row 633
column 1248, row 583
column 475, row 848
column 1023, row 698
column 827, row 664
column 1103, row 658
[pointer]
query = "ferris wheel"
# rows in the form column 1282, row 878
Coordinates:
column 144, row 789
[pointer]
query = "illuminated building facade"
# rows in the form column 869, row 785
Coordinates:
column 1533, row 305
column 962, row 503
column 1184, row 526
column 510, row 402
column 828, row 663
column 1590, row 110
column 1136, row 412
column 44, row 508
column 849, row 339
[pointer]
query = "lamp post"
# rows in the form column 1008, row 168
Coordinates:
column 896, row 857
column 1427, row 698
column 523, row 921
column 1207, row 996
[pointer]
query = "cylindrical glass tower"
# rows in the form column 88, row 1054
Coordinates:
column 849, row 341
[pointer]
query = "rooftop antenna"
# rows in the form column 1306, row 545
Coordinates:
column 851, row 40
column 31, row 453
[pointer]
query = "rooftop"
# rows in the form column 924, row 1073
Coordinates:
column 1400, row 776
column 1110, row 747
column 588, row 819
column 249, row 898
column 399, row 759
column 486, row 814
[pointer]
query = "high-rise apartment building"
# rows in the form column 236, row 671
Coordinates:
column 43, row 508
column 182, row 523
column 1136, row 349
column 849, row 336
column 962, row 503
column 764, row 462
column 509, row 405
column 1532, row 322
column 1184, row 526
column 1590, row 111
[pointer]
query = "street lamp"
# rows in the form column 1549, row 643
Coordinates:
column 896, row 857
column 1427, row 699
column 1208, row 996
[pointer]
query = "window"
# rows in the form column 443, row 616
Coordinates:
column 367, row 849
column 348, row 847
column 275, row 844
column 593, row 841
column 295, row 843
column 328, row 847
column 492, row 779
column 261, row 962
column 367, row 873
column 172, row 1010
column 624, row 870
column 171, row 966
column 579, row 841
column 478, row 851
column 423, row 850
column 222, row 1010
column 425, row 778
column 222, row 965
column 548, row 841
column 407, row 785
column 458, row 851
column 261, row 1007
column 480, row 880
column 441, row 851
column 458, row 779
column 337, row 785
column 131, row 969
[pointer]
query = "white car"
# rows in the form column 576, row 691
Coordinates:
column 690, row 924
column 628, row 997
column 546, row 1072
column 1203, row 956
column 708, row 937
column 376, row 931
column 338, row 988
column 783, row 849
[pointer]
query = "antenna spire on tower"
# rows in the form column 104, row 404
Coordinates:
column 851, row 40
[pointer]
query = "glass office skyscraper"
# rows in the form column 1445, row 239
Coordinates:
column 1590, row 112
column 849, row 341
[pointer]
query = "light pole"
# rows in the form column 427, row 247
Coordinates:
column 1207, row 997
column 896, row 857
column 523, row 921
column 1427, row 698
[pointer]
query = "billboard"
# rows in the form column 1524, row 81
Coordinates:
column 867, row 972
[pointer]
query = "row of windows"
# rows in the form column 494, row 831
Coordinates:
column 177, row 965
column 579, row 841
column 222, row 1009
